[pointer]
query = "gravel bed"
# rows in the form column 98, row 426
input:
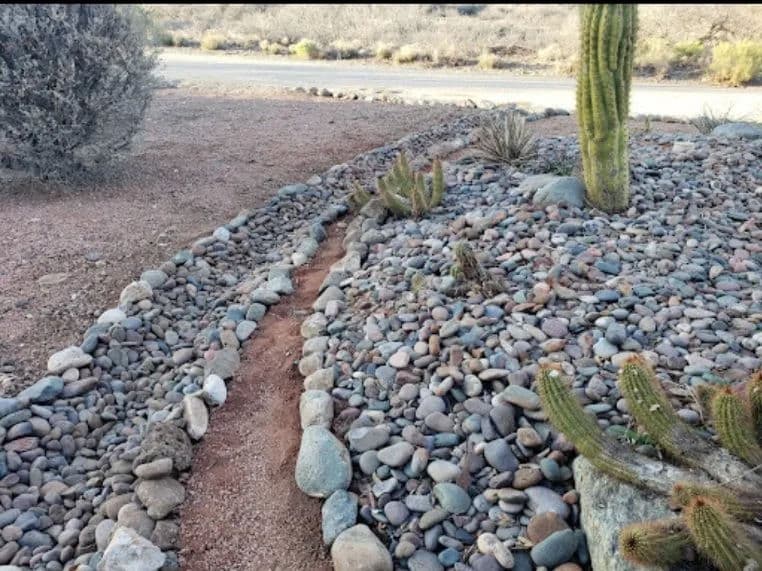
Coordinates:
column 93, row 455
column 421, row 422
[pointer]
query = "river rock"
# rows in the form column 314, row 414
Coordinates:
column 128, row 551
column 358, row 549
column 323, row 464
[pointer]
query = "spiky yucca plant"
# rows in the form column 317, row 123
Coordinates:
column 405, row 192
column 714, row 510
column 505, row 138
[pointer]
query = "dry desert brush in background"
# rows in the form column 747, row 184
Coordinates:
column 75, row 82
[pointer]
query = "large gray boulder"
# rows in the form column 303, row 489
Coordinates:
column 563, row 190
column 128, row 551
column 323, row 464
column 738, row 130
column 606, row 506
column 358, row 549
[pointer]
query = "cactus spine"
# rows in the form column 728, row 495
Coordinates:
column 659, row 542
column 648, row 403
column 608, row 33
column 734, row 425
column 405, row 193
column 717, row 536
column 754, row 393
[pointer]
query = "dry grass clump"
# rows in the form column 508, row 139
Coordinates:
column 709, row 119
column 736, row 63
column 305, row 49
column 488, row 61
column 212, row 41
column 505, row 138
column 410, row 53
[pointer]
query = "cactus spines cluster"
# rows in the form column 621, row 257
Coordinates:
column 658, row 542
column 648, row 403
column 754, row 393
column 608, row 33
column 468, row 269
column 733, row 423
column 720, row 497
column 716, row 535
column 405, row 193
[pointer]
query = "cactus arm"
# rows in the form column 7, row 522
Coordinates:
column 754, row 394
column 651, row 409
column 660, row 542
column 568, row 416
column 743, row 506
column 734, row 425
column 718, row 536
column 437, row 183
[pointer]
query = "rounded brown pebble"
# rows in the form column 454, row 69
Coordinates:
column 558, row 456
column 568, row 567
column 544, row 524
column 571, row 497
column 526, row 476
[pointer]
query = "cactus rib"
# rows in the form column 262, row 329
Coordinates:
column 659, row 542
column 734, row 425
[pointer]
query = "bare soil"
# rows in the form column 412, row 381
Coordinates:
column 244, row 510
column 68, row 250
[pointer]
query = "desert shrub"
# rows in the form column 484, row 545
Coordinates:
column 272, row 48
column 305, row 49
column 469, row 9
column 342, row 49
column 709, row 119
column 689, row 51
column 736, row 63
column 384, row 51
column 488, row 61
column 654, row 55
column 211, row 41
column 75, row 82
column 505, row 138
column 409, row 53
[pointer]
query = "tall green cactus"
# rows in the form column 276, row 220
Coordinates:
column 608, row 33
column 659, row 542
column 754, row 393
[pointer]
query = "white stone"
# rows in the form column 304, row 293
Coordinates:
column 196, row 417
column 358, row 549
column 214, row 390
column 316, row 409
column 71, row 357
column 128, row 551
column 112, row 316
column 135, row 292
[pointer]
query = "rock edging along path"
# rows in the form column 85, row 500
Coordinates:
column 243, row 510
column 93, row 454
column 423, row 432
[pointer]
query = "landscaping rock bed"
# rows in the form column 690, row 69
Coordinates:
column 452, row 462
column 93, row 454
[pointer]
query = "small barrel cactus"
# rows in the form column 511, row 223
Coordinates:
column 608, row 33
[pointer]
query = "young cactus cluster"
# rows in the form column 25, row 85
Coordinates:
column 405, row 192
column 468, row 270
column 719, row 515
column 608, row 33
column 358, row 198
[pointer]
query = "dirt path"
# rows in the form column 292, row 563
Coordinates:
column 206, row 154
column 244, row 510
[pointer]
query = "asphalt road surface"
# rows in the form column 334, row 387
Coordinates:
column 677, row 100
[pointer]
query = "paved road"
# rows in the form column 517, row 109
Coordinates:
column 449, row 85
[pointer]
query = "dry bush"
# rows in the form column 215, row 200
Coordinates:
column 736, row 63
column 75, row 82
column 654, row 55
column 211, row 41
column 305, row 49
column 505, row 138
column 384, row 51
column 709, row 119
column 488, row 61
column 409, row 53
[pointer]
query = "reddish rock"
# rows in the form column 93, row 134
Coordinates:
column 544, row 524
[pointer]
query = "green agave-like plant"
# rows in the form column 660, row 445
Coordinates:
column 718, row 513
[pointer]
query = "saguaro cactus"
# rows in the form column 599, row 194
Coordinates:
column 607, row 34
